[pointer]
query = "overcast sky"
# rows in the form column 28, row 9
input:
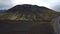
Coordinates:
column 52, row 4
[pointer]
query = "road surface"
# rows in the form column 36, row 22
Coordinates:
column 58, row 25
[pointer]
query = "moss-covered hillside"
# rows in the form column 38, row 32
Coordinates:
column 29, row 13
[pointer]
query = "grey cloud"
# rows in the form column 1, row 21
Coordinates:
column 56, row 7
column 5, row 4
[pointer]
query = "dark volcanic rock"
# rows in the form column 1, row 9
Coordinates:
column 25, row 8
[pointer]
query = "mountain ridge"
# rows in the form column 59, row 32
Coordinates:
column 27, row 7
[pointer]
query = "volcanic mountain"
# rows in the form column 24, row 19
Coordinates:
column 29, row 12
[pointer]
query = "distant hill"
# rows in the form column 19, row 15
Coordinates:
column 2, row 11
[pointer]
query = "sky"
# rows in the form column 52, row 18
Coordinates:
column 52, row 4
